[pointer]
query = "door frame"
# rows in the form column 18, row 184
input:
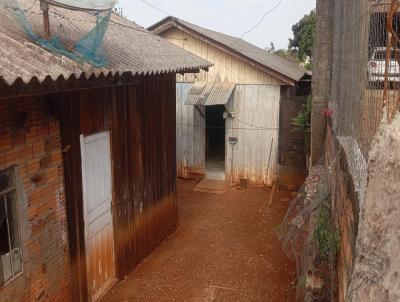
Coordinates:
column 84, row 212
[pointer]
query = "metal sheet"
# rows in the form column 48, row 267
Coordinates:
column 209, row 94
column 199, row 93
column 220, row 94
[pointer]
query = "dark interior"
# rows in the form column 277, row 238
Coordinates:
column 215, row 133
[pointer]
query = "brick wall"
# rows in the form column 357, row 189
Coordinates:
column 345, row 205
column 30, row 142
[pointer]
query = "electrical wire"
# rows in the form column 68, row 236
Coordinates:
column 156, row 8
column 262, row 19
column 227, row 128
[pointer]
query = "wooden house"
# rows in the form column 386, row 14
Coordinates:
column 87, row 155
column 228, row 118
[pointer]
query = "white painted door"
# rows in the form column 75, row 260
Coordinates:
column 97, row 203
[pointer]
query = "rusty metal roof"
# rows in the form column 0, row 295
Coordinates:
column 210, row 93
column 255, row 54
column 127, row 46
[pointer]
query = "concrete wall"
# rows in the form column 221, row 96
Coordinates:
column 30, row 142
column 322, row 64
column 377, row 264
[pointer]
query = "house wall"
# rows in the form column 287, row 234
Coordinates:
column 141, row 118
column 190, row 134
column 30, row 142
column 227, row 68
column 256, row 101
column 256, row 125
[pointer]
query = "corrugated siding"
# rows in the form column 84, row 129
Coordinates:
column 210, row 93
column 190, row 133
column 227, row 68
column 257, row 105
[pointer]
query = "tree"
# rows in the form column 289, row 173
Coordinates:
column 290, row 55
column 303, row 36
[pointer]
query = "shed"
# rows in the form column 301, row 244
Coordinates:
column 87, row 155
column 228, row 118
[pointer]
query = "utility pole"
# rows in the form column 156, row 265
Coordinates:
column 46, row 22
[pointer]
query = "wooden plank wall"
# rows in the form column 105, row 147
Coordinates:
column 190, row 134
column 256, row 125
column 141, row 118
column 227, row 68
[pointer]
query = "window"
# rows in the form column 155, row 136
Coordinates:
column 10, row 252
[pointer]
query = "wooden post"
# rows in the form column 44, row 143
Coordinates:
column 46, row 22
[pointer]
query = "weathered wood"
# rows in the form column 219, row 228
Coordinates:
column 141, row 120
column 256, row 125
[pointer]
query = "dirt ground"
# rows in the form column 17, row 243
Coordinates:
column 224, row 249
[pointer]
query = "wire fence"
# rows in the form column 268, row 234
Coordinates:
column 365, row 68
column 364, row 89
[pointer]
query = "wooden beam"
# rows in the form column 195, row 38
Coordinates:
column 46, row 21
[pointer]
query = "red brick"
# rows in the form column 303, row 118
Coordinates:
column 25, row 152
column 44, row 220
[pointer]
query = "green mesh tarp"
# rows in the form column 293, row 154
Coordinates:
column 87, row 49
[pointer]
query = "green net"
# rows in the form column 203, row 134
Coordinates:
column 88, row 49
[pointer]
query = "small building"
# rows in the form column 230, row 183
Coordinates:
column 87, row 155
column 228, row 118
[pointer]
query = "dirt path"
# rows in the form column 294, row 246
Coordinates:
column 224, row 249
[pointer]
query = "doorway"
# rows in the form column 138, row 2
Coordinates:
column 215, row 142
column 97, row 208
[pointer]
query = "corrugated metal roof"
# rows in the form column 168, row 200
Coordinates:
column 199, row 93
column 127, row 46
column 250, row 51
column 210, row 93
column 220, row 94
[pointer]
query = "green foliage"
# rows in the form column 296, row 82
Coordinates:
column 303, row 36
column 288, row 54
column 325, row 234
column 303, row 119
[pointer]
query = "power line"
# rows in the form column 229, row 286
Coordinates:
column 226, row 128
column 262, row 19
column 156, row 8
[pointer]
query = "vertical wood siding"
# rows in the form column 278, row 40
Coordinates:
column 141, row 118
column 227, row 68
column 256, row 101
column 254, row 105
column 190, row 133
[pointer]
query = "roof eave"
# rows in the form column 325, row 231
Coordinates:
column 171, row 22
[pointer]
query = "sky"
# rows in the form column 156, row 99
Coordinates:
column 232, row 17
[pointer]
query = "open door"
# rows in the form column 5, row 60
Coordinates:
column 215, row 142
column 97, row 205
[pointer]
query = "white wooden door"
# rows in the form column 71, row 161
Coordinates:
column 97, row 203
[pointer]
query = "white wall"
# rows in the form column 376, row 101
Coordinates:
column 190, row 134
column 257, row 105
